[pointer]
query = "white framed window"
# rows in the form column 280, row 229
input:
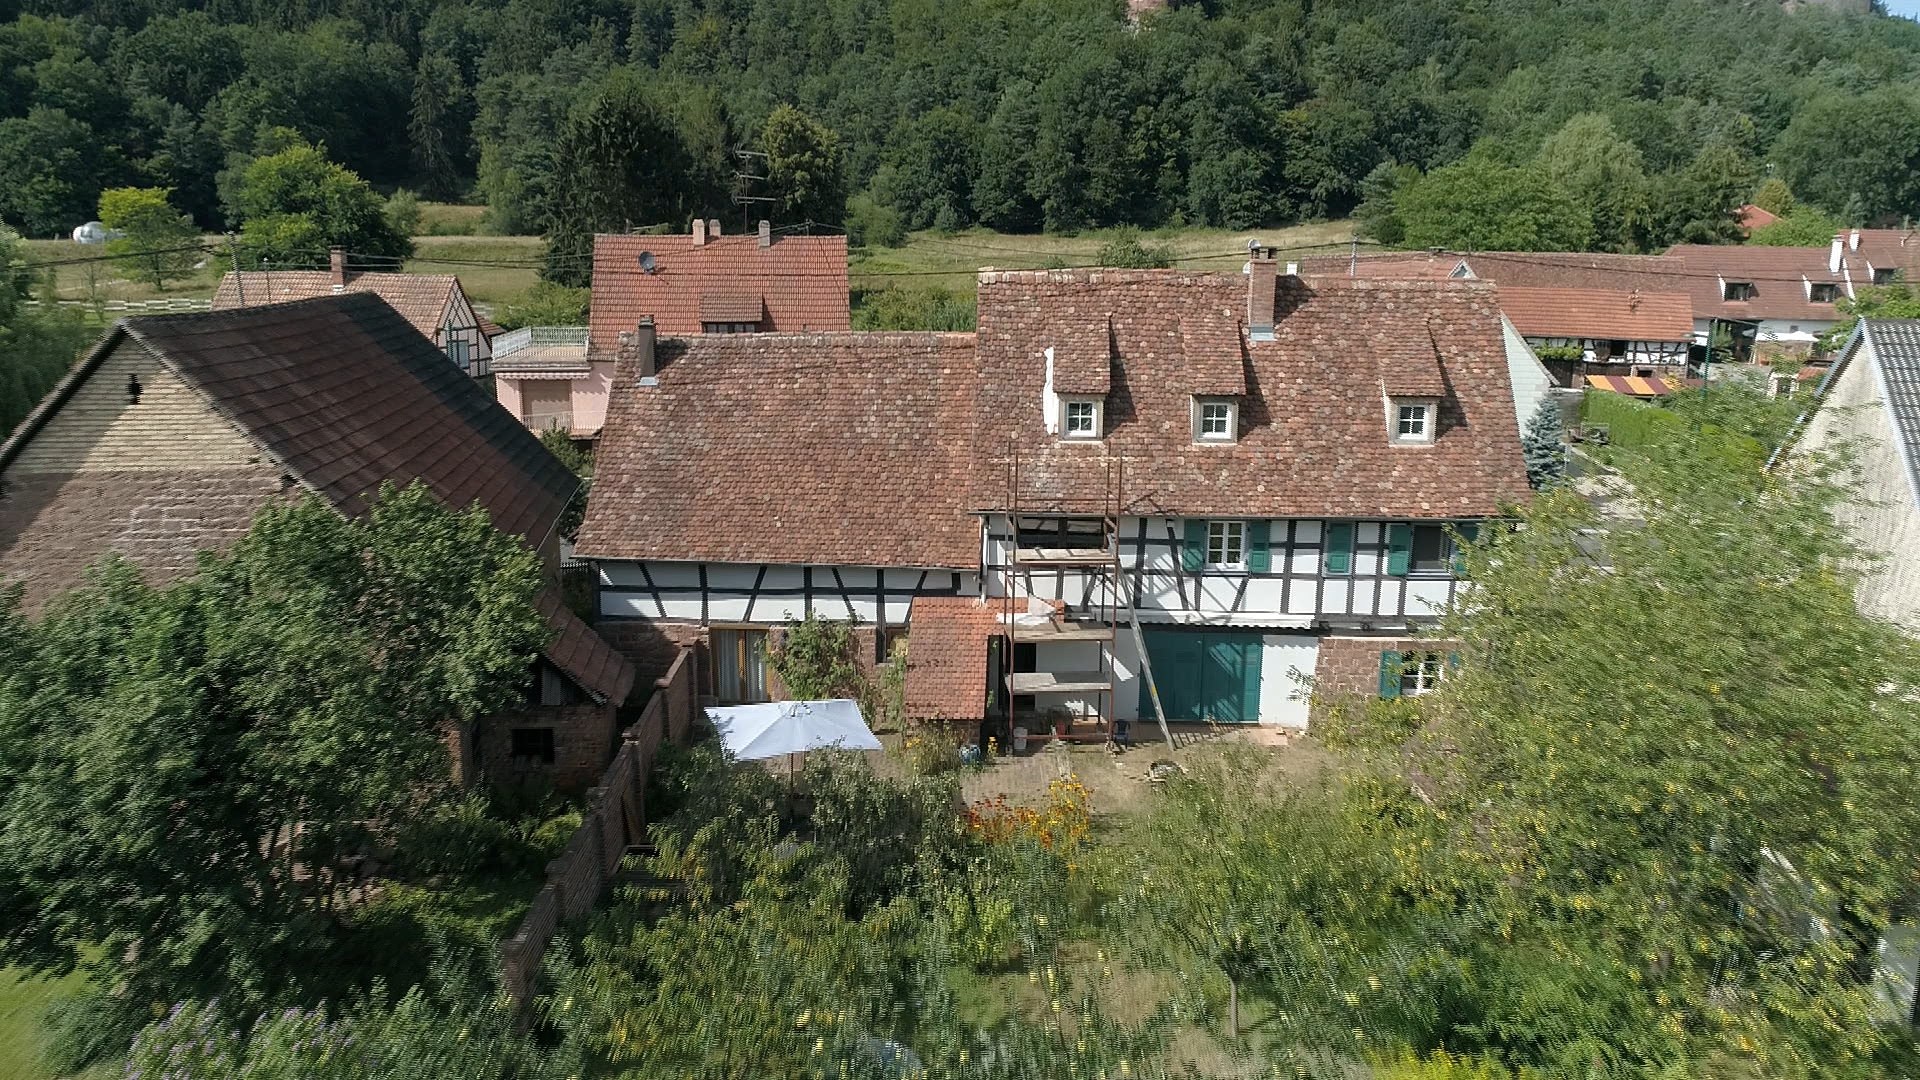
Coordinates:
column 1413, row 420
column 1080, row 418
column 1421, row 672
column 1226, row 545
column 1215, row 420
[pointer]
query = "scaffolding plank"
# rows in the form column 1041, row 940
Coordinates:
column 1043, row 632
column 1060, row 682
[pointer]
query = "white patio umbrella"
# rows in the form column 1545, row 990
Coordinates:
column 752, row 732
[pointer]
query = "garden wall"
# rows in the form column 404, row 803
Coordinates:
column 615, row 818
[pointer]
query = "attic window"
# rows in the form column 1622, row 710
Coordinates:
column 1736, row 290
column 1080, row 418
column 1413, row 421
column 1886, row 275
column 1215, row 419
column 1823, row 292
column 729, row 328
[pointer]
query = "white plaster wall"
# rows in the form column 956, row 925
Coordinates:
column 1525, row 372
column 1282, row 700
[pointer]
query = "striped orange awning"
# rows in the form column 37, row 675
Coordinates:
column 1631, row 385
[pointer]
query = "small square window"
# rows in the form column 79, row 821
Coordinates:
column 1885, row 275
column 1226, row 545
column 1823, row 292
column 1081, row 419
column 1736, row 290
column 1421, row 673
column 1413, row 421
column 1214, row 420
column 532, row 745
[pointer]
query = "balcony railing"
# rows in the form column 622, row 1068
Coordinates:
column 528, row 337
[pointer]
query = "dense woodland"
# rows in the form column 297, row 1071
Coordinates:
column 1622, row 124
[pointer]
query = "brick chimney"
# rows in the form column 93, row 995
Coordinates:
column 339, row 268
column 766, row 233
column 644, row 340
column 1262, row 277
column 699, row 232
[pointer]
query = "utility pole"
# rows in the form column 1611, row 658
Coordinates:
column 239, row 283
column 740, row 182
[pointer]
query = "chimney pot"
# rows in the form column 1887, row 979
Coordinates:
column 766, row 233
column 643, row 346
column 1839, row 248
column 1262, row 276
column 699, row 232
column 1853, row 240
column 339, row 260
column 713, row 228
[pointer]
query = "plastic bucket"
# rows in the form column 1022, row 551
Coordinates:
column 1019, row 739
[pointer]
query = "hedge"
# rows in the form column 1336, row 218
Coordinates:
column 1635, row 425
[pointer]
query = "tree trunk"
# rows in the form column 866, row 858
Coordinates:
column 1233, row 1006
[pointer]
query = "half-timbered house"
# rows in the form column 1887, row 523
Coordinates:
column 1207, row 487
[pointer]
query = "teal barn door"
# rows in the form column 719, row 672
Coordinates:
column 1204, row 675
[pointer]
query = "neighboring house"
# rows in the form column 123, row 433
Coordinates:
column 1870, row 401
column 1263, row 469
column 705, row 283
column 176, row 430
column 544, row 376
column 1753, row 217
column 435, row 304
column 1627, row 314
column 1778, row 301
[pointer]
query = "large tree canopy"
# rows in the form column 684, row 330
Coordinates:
column 296, row 204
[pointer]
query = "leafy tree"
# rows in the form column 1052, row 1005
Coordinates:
column 402, row 212
column 1700, row 204
column 1896, row 301
column 1376, row 217
column 899, row 308
column 615, row 166
column 228, row 743
column 871, row 222
column 160, row 243
column 1843, row 148
column 803, row 167
column 1804, row 227
column 1603, row 172
column 1775, row 197
column 1125, row 249
column 818, row 659
column 545, row 303
column 47, row 164
column 438, row 125
column 1543, row 447
column 1481, row 205
column 37, row 346
column 295, row 204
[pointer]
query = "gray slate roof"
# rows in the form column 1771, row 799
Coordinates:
column 1896, row 345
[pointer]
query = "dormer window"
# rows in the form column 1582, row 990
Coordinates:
column 1413, row 421
column 1736, row 290
column 1823, row 292
column 1886, row 275
column 1215, row 420
column 1080, row 418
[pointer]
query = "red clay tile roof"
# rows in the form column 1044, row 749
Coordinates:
column 1598, row 313
column 1313, row 427
column 346, row 395
column 421, row 298
column 947, row 657
column 586, row 658
column 732, row 307
column 1215, row 353
column 1083, row 360
column 845, row 448
column 1753, row 217
column 803, row 280
column 1579, row 270
column 1779, row 275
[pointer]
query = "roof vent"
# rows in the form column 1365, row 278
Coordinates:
column 647, row 265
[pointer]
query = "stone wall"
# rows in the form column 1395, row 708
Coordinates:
column 1348, row 667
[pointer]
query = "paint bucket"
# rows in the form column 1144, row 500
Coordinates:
column 1019, row 740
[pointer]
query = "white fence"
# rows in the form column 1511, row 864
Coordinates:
column 528, row 337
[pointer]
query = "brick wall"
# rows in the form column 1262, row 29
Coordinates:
column 53, row 525
column 1350, row 666
column 583, row 742
column 100, row 430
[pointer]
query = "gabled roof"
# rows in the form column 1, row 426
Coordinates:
column 345, row 395
column 1580, row 270
column 847, row 448
column 421, row 299
column 1779, row 275
column 584, row 655
column 1895, row 345
column 802, row 281
column 1598, row 313
column 1754, row 217
column 1313, row 437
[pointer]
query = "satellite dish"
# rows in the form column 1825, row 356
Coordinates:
column 646, row 262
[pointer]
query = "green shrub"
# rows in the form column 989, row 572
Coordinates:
column 457, row 837
column 899, row 308
column 545, row 303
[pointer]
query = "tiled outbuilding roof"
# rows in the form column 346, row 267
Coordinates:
column 346, row 395
column 1313, row 433
column 1780, row 277
column 844, row 448
column 802, row 281
column 421, row 299
column 1598, row 313
column 1579, row 270
column 586, row 658
column 947, row 657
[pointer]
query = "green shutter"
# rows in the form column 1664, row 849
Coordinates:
column 1339, row 549
column 1469, row 532
column 1399, row 549
column 1389, row 674
column 1259, row 535
column 1194, row 554
column 1453, row 662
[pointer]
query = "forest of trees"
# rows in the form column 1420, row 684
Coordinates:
column 1624, row 124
